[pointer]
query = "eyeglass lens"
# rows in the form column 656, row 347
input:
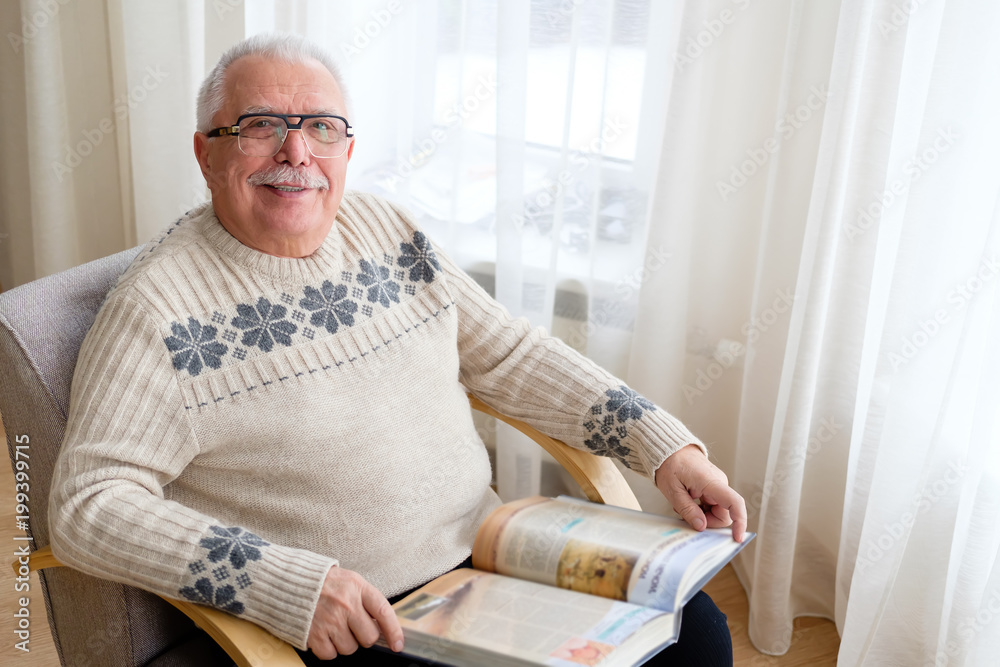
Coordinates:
column 263, row 136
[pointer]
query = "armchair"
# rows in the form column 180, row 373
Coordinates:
column 99, row 622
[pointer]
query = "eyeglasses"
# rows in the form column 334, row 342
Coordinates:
column 263, row 135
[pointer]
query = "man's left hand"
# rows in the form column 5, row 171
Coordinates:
column 687, row 476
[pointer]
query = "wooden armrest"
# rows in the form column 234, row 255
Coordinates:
column 600, row 480
column 248, row 644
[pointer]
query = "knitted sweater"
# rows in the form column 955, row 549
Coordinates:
column 239, row 422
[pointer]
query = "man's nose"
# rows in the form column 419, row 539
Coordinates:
column 294, row 151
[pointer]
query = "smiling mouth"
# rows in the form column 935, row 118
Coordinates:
column 288, row 180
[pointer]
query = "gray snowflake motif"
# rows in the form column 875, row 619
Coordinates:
column 235, row 543
column 330, row 306
column 419, row 258
column 264, row 324
column 610, row 446
column 194, row 346
column 627, row 403
column 380, row 287
column 223, row 597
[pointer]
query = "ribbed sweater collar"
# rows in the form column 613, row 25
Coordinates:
column 287, row 270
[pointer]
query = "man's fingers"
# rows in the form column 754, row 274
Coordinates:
column 687, row 475
column 345, row 643
column 689, row 510
column 726, row 502
column 349, row 613
column 321, row 646
column 364, row 628
column 383, row 613
column 718, row 516
column 715, row 503
column 738, row 512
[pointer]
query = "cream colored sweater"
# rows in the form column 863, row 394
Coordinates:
column 239, row 422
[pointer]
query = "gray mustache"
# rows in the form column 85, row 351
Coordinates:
column 285, row 174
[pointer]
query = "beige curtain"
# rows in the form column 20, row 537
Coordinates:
column 61, row 193
column 98, row 102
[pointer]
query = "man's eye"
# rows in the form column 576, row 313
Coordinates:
column 261, row 122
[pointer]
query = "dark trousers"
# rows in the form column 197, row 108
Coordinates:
column 704, row 641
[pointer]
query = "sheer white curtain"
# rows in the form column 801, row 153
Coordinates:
column 829, row 189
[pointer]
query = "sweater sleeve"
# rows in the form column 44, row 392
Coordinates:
column 534, row 377
column 127, row 437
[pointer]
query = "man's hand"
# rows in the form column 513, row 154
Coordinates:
column 688, row 476
column 350, row 612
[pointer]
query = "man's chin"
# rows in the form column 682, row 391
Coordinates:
column 292, row 220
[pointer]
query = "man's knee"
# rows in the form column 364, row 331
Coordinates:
column 704, row 638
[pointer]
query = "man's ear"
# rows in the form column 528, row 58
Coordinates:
column 201, row 145
column 350, row 150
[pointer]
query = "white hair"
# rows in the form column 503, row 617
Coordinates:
column 280, row 46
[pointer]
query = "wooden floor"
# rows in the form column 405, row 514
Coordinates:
column 814, row 642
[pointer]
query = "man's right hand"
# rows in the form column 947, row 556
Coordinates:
column 350, row 612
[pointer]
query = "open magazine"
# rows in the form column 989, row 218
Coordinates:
column 566, row 582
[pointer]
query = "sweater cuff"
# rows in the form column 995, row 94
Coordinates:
column 659, row 435
column 285, row 591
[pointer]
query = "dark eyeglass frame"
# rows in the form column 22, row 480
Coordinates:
column 234, row 130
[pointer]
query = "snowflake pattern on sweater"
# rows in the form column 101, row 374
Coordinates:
column 194, row 346
column 238, row 547
column 284, row 320
column 419, row 258
column 607, row 425
column 330, row 306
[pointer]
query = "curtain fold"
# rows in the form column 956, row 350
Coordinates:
column 60, row 200
column 162, row 70
column 107, row 91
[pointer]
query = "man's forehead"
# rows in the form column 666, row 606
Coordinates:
column 265, row 84
column 265, row 109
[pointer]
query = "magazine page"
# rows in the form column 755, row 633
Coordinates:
column 473, row 617
column 603, row 550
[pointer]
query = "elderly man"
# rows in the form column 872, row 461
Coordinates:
column 264, row 391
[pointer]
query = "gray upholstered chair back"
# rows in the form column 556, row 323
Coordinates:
column 93, row 621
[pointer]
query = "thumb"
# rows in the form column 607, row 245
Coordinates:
column 689, row 510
